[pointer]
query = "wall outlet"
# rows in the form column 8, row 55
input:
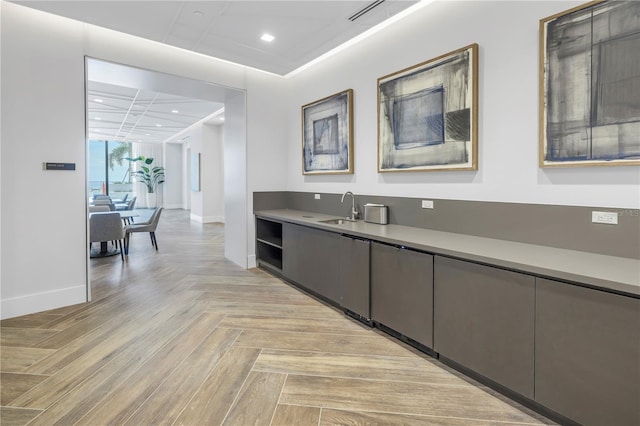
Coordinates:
column 316, row 196
column 610, row 218
column 427, row 204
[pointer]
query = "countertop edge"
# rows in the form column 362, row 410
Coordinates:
column 599, row 271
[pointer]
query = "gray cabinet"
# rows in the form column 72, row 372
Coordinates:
column 311, row 259
column 587, row 354
column 402, row 291
column 484, row 320
column 354, row 292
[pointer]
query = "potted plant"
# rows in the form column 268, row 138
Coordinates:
column 150, row 176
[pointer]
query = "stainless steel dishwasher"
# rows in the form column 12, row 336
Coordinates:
column 354, row 277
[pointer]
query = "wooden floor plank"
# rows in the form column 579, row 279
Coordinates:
column 297, row 415
column 209, row 406
column 167, row 402
column 316, row 312
column 15, row 384
column 322, row 342
column 252, row 293
column 67, row 378
column 465, row 401
column 400, row 369
column 24, row 337
column 15, row 359
column 257, row 400
column 36, row 320
column 127, row 398
column 341, row 417
column 11, row 416
column 115, row 329
column 335, row 325
column 96, row 389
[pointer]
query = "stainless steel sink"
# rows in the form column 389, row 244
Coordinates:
column 337, row 221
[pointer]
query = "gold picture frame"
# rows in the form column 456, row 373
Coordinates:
column 428, row 115
column 327, row 135
column 589, row 86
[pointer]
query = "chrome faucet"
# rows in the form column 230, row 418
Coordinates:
column 354, row 210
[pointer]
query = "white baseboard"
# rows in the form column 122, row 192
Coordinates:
column 207, row 219
column 251, row 261
column 39, row 302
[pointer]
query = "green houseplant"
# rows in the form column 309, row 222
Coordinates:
column 150, row 176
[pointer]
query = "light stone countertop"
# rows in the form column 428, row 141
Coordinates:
column 607, row 272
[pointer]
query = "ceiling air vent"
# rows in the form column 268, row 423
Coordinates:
column 366, row 9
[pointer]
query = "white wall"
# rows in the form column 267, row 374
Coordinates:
column 507, row 34
column 43, row 217
column 212, row 173
column 174, row 173
column 44, row 260
column 207, row 205
column 195, row 147
column 235, row 181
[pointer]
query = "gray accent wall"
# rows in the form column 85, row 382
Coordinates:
column 567, row 227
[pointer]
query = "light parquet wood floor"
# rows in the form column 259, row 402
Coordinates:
column 182, row 336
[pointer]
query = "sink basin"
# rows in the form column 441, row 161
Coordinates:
column 337, row 221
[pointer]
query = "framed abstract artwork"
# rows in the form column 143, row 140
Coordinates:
column 590, row 86
column 327, row 135
column 428, row 115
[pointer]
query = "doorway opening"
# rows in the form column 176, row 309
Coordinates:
column 168, row 118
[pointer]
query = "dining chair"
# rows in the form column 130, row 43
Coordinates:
column 106, row 227
column 105, row 202
column 148, row 226
column 122, row 200
column 99, row 208
column 128, row 205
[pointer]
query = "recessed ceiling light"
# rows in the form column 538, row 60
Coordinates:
column 175, row 111
column 198, row 13
column 98, row 118
column 158, row 125
column 147, row 134
column 267, row 37
column 98, row 100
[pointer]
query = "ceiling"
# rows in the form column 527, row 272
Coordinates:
column 120, row 113
column 231, row 30
column 303, row 29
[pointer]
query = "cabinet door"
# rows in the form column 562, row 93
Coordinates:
column 588, row 354
column 311, row 259
column 484, row 319
column 402, row 291
column 291, row 267
column 354, row 276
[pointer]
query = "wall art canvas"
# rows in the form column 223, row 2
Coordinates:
column 590, row 85
column 428, row 115
column 327, row 135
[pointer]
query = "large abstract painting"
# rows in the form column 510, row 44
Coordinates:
column 590, row 85
column 428, row 115
column 327, row 135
